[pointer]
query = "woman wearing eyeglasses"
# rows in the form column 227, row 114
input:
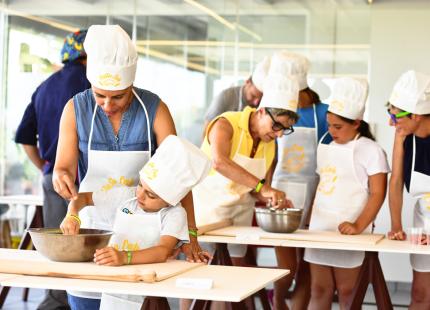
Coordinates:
column 242, row 148
column 353, row 179
column 295, row 173
column 409, row 109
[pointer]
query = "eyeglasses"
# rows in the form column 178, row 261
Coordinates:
column 394, row 117
column 277, row 126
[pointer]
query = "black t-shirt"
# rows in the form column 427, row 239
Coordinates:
column 422, row 157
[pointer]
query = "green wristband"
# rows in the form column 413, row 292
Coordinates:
column 260, row 185
column 129, row 257
column 193, row 232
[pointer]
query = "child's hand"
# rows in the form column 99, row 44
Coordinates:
column 347, row 228
column 110, row 257
column 70, row 225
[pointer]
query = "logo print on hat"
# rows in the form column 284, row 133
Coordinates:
column 150, row 170
column 108, row 79
column 337, row 105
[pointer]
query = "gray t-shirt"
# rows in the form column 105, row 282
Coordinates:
column 229, row 99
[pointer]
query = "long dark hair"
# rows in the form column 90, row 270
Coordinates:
column 363, row 128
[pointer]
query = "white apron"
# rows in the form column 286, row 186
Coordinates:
column 217, row 198
column 132, row 232
column 295, row 173
column 419, row 188
column 107, row 169
column 340, row 197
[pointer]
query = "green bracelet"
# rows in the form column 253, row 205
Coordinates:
column 260, row 185
column 193, row 232
column 128, row 257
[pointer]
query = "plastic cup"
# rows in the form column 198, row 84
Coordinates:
column 415, row 235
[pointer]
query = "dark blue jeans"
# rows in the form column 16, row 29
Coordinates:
column 80, row 303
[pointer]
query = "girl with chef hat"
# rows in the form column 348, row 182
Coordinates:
column 295, row 170
column 149, row 220
column 353, row 179
column 242, row 148
column 108, row 132
column 409, row 109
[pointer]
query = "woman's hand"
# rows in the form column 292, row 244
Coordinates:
column 110, row 257
column 194, row 252
column 347, row 228
column 277, row 198
column 70, row 225
column 64, row 185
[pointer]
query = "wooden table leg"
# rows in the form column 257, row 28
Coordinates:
column 371, row 273
column 155, row 303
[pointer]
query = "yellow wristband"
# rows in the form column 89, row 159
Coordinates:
column 75, row 217
column 193, row 232
column 260, row 185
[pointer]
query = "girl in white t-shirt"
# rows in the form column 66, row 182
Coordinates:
column 353, row 180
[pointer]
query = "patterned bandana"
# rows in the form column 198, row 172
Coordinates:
column 73, row 46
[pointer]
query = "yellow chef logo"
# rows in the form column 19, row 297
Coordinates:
column 292, row 104
column 108, row 79
column 126, row 246
column 337, row 105
column 109, row 185
column 426, row 199
column 328, row 178
column 294, row 158
column 150, row 170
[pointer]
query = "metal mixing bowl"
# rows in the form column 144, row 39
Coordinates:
column 51, row 243
column 278, row 221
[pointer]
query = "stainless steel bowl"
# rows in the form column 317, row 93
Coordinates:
column 51, row 243
column 278, row 221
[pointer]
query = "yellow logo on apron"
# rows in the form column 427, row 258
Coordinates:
column 426, row 199
column 126, row 246
column 150, row 170
column 328, row 178
column 294, row 158
column 108, row 79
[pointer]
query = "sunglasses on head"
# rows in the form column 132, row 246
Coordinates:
column 396, row 116
column 277, row 126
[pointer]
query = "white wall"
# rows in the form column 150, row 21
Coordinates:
column 399, row 41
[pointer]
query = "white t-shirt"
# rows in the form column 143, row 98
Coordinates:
column 369, row 158
column 173, row 218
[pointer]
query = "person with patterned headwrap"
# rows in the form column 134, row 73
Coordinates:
column 38, row 133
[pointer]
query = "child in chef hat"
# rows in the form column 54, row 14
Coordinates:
column 353, row 172
column 409, row 110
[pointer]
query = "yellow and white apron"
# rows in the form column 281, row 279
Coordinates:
column 420, row 188
column 132, row 231
column 340, row 197
column 111, row 168
column 295, row 172
column 217, row 197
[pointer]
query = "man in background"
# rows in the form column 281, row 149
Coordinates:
column 38, row 134
column 236, row 98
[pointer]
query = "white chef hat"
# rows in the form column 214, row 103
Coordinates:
column 111, row 57
column 348, row 97
column 280, row 92
column 411, row 93
column 260, row 73
column 289, row 63
column 176, row 167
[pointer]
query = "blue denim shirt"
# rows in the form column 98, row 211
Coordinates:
column 132, row 134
